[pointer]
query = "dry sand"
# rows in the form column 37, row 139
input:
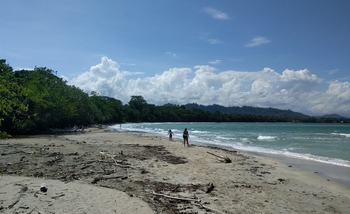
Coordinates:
column 101, row 171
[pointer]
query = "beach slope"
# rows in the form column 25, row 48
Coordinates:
column 102, row 171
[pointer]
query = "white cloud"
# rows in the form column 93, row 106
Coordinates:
column 214, row 62
column 333, row 71
column 20, row 68
column 257, row 41
column 298, row 90
column 216, row 14
column 106, row 78
column 214, row 41
column 171, row 54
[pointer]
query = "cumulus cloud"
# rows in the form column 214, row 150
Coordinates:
column 298, row 90
column 106, row 78
column 257, row 41
column 216, row 14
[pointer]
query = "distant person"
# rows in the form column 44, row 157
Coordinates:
column 185, row 136
column 75, row 128
column 170, row 133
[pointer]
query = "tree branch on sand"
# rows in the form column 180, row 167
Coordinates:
column 115, row 161
column 197, row 202
column 177, row 198
column 222, row 159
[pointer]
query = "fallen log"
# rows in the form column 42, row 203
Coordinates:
column 223, row 159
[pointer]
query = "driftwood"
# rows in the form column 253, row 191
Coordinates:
column 57, row 196
column 116, row 162
column 197, row 202
column 209, row 188
column 223, row 159
column 107, row 177
column 177, row 186
column 32, row 210
column 14, row 203
column 177, row 198
column 207, row 208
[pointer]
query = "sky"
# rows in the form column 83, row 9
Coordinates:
column 290, row 54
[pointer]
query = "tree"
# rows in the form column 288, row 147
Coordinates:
column 137, row 102
column 11, row 106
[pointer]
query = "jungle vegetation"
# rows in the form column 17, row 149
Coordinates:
column 37, row 101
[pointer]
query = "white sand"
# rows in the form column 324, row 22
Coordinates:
column 24, row 196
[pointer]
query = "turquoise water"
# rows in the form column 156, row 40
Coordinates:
column 326, row 143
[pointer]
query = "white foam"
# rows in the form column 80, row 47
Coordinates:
column 262, row 137
column 342, row 134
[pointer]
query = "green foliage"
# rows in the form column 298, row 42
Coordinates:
column 11, row 97
column 108, row 110
column 36, row 101
column 4, row 135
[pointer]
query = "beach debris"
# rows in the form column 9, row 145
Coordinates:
column 57, row 196
column 200, row 205
column 14, row 203
column 107, row 177
column 176, row 198
column 194, row 201
column 242, row 184
column 43, row 187
column 209, row 188
column 281, row 180
column 177, row 186
column 24, row 188
column 222, row 159
column 116, row 162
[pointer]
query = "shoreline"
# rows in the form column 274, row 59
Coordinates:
column 340, row 174
column 162, row 176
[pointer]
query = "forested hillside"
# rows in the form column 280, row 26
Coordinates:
column 37, row 101
column 271, row 112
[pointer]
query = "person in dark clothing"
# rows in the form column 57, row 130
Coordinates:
column 170, row 133
column 185, row 136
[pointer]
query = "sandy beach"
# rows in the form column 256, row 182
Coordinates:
column 103, row 171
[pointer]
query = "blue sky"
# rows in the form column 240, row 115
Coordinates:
column 289, row 54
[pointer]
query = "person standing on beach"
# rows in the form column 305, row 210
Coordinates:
column 185, row 136
column 170, row 133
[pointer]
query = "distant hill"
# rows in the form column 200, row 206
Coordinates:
column 332, row 116
column 249, row 110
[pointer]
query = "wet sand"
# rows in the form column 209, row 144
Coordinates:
column 340, row 174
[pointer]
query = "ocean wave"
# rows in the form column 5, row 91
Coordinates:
column 225, row 138
column 199, row 132
column 341, row 134
column 317, row 158
column 262, row 137
column 302, row 156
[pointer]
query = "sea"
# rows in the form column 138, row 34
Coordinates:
column 322, row 144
